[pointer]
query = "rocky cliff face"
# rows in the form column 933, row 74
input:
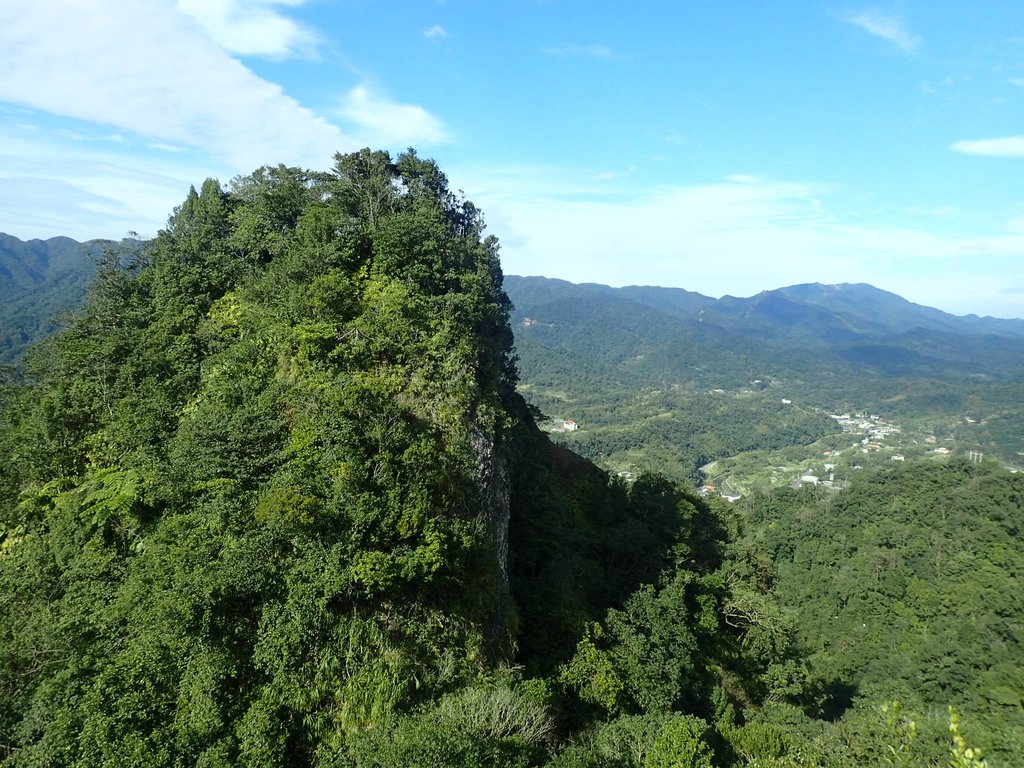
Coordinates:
column 493, row 471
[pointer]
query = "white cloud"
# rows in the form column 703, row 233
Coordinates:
column 578, row 52
column 251, row 27
column 615, row 175
column 145, row 68
column 113, row 108
column 887, row 27
column 435, row 32
column 743, row 178
column 91, row 188
column 1007, row 146
column 386, row 123
column 739, row 236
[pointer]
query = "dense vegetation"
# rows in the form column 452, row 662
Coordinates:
column 272, row 498
column 905, row 588
column 899, row 588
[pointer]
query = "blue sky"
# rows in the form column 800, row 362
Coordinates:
column 722, row 147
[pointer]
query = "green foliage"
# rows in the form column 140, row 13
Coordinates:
column 476, row 726
column 593, row 674
column 680, row 744
column 271, row 498
column 962, row 755
column 903, row 585
column 639, row 741
column 242, row 515
column 630, row 739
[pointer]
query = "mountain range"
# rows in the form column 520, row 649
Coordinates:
column 836, row 325
column 803, row 325
column 39, row 279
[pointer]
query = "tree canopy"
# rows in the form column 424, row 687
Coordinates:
column 271, row 498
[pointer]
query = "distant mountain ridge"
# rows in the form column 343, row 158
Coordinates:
column 42, row 278
column 860, row 307
column 26, row 264
column 873, row 305
column 648, row 369
column 39, row 279
column 812, row 323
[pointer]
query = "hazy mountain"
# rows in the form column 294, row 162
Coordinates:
column 637, row 337
column 851, row 309
column 877, row 311
column 38, row 280
column 28, row 265
column 802, row 325
column 805, row 325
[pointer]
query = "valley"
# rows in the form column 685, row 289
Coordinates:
column 642, row 370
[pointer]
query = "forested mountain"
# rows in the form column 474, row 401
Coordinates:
column 38, row 280
column 271, row 498
column 879, row 311
column 669, row 379
column 905, row 585
column 842, row 320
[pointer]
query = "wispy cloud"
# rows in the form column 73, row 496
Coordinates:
column 252, row 27
column 143, row 67
column 1007, row 146
column 90, row 188
column 614, row 175
column 740, row 236
column 887, row 27
column 386, row 123
column 113, row 108
column 436, row 32
column 671, row 137
column 578, row 52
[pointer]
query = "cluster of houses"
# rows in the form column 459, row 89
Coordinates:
column 873, row 425
column 810, row 478
column 709, row 489
column 876, row 429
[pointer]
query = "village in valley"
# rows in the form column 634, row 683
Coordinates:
column 861, row 440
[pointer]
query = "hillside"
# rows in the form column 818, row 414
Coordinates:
column 880, row 311
column 904, row 585
column 844, row 319
column 39, row 279
column 271, row 498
